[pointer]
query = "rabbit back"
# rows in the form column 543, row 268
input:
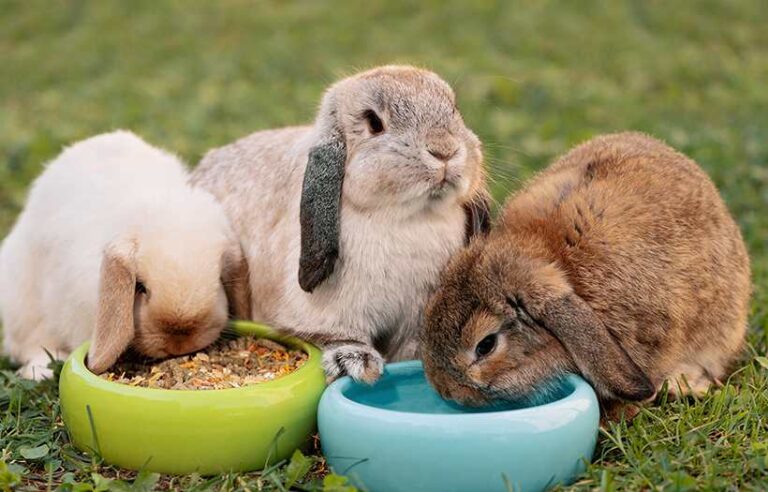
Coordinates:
column 643, row 236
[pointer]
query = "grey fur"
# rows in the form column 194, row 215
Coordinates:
column 320, row 214
column 368, row 218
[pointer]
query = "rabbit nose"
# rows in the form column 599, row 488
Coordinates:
column 443, row 156
column 178, row 330
column 442, row 145
column 178, row 337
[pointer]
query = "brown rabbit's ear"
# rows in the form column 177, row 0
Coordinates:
column 320, row 213
column 478, row 211
column 594, row 349
column 114, row 328
column 235, row 277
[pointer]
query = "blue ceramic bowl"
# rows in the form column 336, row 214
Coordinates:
column 399, row 435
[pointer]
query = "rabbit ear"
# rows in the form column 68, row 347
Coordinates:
column 478, row 211
column 114, row 328
column 235, row 277
column 594, row 349
column 320, row 213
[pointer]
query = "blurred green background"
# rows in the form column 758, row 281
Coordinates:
column 532, row 78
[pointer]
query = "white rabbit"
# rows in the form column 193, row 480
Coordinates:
column 347, row 224
column 114, row 244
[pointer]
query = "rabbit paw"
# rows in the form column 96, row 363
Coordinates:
column 36, row 368
column 361, row 362
column 35, row 371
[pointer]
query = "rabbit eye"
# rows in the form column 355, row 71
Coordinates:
column 141, row 288
column 375, row 125
column 486, row 345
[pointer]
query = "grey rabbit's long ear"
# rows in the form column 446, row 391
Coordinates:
column 594, row 349
column 320, row 213
column 478, row 212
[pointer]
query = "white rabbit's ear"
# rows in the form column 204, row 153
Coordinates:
column 235, row 277
column 114, row 328
column 320, row 214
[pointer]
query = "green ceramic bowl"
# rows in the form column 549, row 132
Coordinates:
column 207, row 431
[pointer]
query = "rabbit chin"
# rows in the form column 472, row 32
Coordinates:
column 445, row 194
column 434, row 196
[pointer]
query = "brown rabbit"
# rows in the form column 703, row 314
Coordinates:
column 620, row 262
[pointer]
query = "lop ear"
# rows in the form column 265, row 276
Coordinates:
column 478, row 211
column 114, row 328
column 320, row 213
column 235, row 277
column 594, row 349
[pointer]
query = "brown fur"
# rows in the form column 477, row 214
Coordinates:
column 235, row 278
column 620, row 261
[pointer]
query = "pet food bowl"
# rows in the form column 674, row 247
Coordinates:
column 186, row 431
column 399, row 435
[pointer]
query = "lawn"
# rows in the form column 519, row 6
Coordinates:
column 532, row 80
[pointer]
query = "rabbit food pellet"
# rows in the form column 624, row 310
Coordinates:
column 233, row 363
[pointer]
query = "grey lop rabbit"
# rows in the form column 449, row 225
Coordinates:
column 620, row 262
column 347, row 223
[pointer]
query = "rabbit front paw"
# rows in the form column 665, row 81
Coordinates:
column 359, row 361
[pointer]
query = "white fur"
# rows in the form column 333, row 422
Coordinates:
column 104, row 190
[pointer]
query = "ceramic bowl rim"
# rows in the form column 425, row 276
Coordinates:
column 582, row 391
column 87, row 378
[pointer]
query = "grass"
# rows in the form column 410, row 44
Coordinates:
column 532, row 80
